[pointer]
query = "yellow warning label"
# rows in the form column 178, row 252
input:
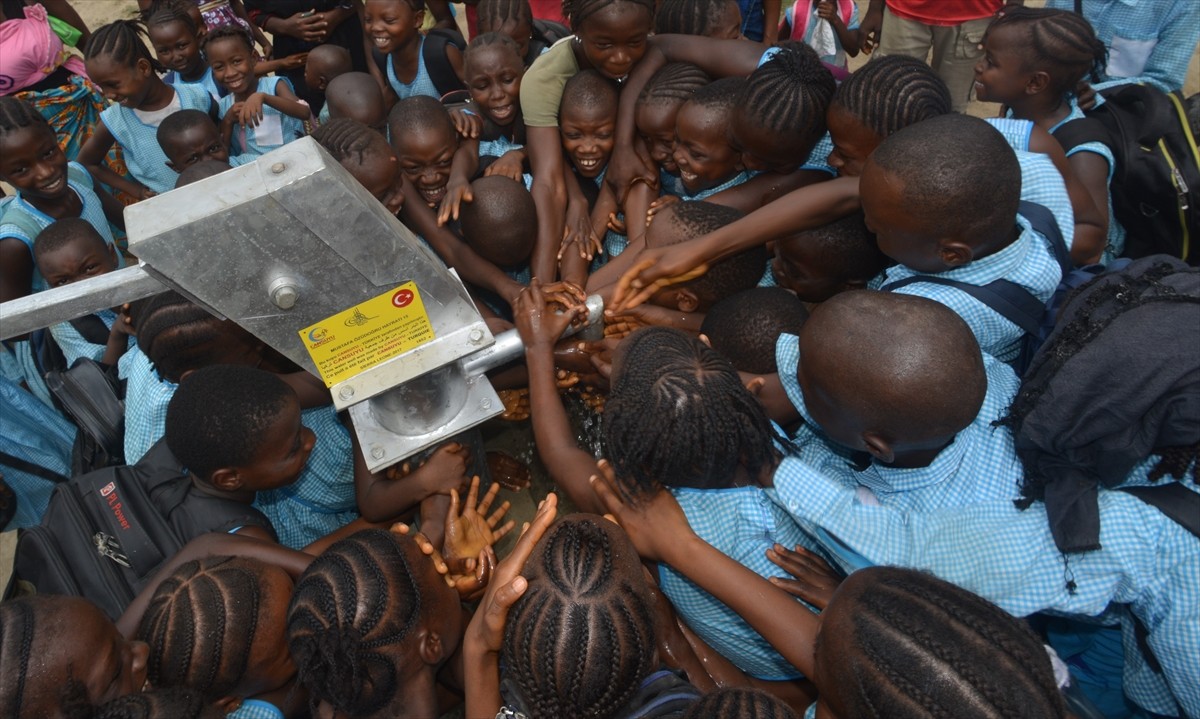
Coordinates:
column 368, row 333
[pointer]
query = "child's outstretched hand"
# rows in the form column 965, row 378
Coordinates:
column 446, row 468
column 466, row 123
column 813, row 580
column 291, row 62
column 656, row 525
column 658, row 205
column 124, row 323
column 511, row 165
column 537, row 322
column 252, row 110
column 457, row 192
column 470, row 529
column 475, row 571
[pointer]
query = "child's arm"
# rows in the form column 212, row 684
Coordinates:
column 239, row 9
column 62, row 10
column 849, row 39
column 511, row 165
column 767, row 187
column 1092, row 171
column 1091, row 226
column 266, row 67
column 549, row 192
column 91, row 156
column 283, row 100
column 805, row 208
column 463, row 167
column 114, row 211
column 118, row 339
column 637, row 204
column 16, row 270
column 309, row 388
column 540, row 328
column 770, row 21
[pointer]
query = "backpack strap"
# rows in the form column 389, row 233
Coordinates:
column 1044, row 222
column 30, row 468
column 1177, row 502
column 441, row 72
column 92, row 328
column 1008, row 299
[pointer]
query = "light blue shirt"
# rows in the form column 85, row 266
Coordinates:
column 34, row 432
column 206, row 81
column 139, row 142
column 146, row 398
column 276, row 128
column 422, row 83
column 73, row 344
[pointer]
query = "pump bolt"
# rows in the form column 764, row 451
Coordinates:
column 278, row 167
column 284, row 296
column 485, row 404
column 346, row 393
column 377, row 452
column 476, row 336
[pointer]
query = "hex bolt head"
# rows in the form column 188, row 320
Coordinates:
column 476, row 336
column 278, row 167
column 284, row 296
column 377, row 452
column 346, row 393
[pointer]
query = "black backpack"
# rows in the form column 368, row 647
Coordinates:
column 545, row 34
column 1155, row 186
column 433, row 52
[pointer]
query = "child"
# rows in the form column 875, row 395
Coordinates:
column 1032, row 61
column 720, row 19
column 356, row 95
column 68, row 251
column 201, row 170
column 533, row 35
column 61, row 654
column 492, row 70
column 817, row 264
column 707, row 162
column 587, row 123
column 217, row 625
column 657, row 109
column 367, row 156
column 119, row 62
column 176, row 41
column 190, row 136
column 177, row 703
column 425, row 142
column 500, row 224
column 394, row 29
column 393, row 619
column 324, row 63
column 740, row 703
column 745, row 326
column 828, row 26
column 49, row 188
column 266, row 112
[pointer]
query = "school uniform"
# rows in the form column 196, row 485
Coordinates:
column 276, row 128
column 139, row 141
column 422, row 83
column 32, row 431
column 146, row 398
column 74, row 345
column 215, row 91
column 322, row 499
column 818, row 33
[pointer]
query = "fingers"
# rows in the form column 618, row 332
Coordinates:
column 490, row 496
column 630, row 283
column 472, row 495
column 498, row 534
column 602, row 485
column 452, row 513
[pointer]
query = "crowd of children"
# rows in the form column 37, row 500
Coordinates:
column 860, row 452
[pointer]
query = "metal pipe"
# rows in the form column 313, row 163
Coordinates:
column 60, row 304
column 509, row 347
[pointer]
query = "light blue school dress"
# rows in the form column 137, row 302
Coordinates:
column 75, row 346
column 422, row 83
column 275, row 130
column 34, row 432
column 146, row 398
column 206, row 81
column 139, row 142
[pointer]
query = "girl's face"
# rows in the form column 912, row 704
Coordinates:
column 521, row 32
column 1000, row 75
column 613, row 40
column 177, row 48
column 702, row 149
column 853, row 142
column 232, row 63
column 493, row 74
column 124, row 85
column 656, row 126
column 32, row 162
column 761, row 149
column 391, row 24
column 588, row 136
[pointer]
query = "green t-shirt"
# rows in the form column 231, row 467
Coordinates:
column 542, row 86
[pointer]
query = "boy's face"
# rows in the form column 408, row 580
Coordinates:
column 588, row 136
column 425, row 158
column 193, row 144
column 797, row 268
column 656, row 125
column 853, row 142
column 702, row 149
column 379, row 173
column 32, row 162
column 77, row 260
column 897, row 228
column 283, row 453
column 493, row 76
column 761, row 149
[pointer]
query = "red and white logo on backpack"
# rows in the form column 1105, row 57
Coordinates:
column 107, row 489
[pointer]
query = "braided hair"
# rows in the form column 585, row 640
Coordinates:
column 172, row 333
column 227, row 31
column 688, row 17
column 678, row 415
column 165, row 12
column 673, row 84
column 16, row 114
column 18, row 620
column 495, row 14
column 740, row 703
column 892, row 92
column 581, row 639
column 344, row 138
column 352, row 613
column 899, row 643
column 577, row 11
column 788, row 96
column 1063, row 43
column 168, row 703
column 125, row 41
column 202, row 622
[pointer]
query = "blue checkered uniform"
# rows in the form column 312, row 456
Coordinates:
column 818, row 159
column 1015, row 131
column 146, row 398
column 32, row 431
column 742, row 523
column 18, row 366
column 1029, row 262
column 421, row 83
column 139, row 141
column 732, row 182
column 322, row 498
column 249, row 140
column 255, row 709
column 206, row 81
column 1148, row 40
column 73, row 344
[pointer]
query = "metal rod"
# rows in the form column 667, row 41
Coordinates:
column 509, row 347
column 60, row 304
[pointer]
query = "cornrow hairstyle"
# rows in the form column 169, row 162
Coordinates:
column 903, row 644
column 589, row 90
column 501, row 223
column 495, row 14
column 351, row 615
column 227, row 31
column 61, row 233
column 179, row 122
column 688, row 17
column 168, row 703
column 345, row 138
column 690, row 219
column 201, row 624
column 939, row 162
column 173, row 332
column 580, row 640
column 722, row 94
column 578, row 11
column 788, row 96
column 673, row 84
column 490, row 39
column 678, row 415
column 1060, row 42
column 16, row 114
column 125, row 41
column 165, row 12
column 744, row 327
column 892, row 92
column 220, row 413
column 739, row 703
